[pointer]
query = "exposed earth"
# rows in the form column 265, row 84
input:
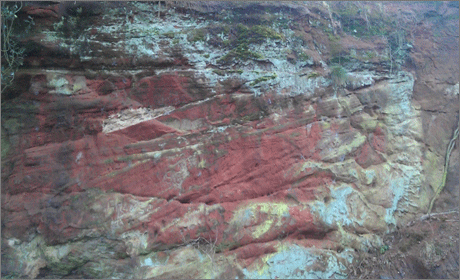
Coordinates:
column 230, row 140
column 424, row 249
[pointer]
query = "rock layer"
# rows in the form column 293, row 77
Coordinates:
column 149, row 141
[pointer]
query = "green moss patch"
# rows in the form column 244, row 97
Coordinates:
column 241, row 52
column 263, row 79
column 169, row 35
column 246, row 36
column 312, row 75
column 256, row 34
column 197, row 35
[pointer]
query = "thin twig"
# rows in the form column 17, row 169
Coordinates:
column 427, row 216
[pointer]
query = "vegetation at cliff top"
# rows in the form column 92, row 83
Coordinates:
column 363, row 20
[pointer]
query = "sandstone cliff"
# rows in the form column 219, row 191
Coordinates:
column 224, row 139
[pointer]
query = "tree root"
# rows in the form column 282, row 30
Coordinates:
column 446, row 165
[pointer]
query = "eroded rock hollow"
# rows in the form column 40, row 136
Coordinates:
column 223, row 139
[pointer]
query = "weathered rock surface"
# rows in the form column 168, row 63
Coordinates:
column 142, row 141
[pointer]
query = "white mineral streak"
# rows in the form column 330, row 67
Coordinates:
column 130, row 117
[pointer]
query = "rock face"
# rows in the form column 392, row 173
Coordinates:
column 221, row 140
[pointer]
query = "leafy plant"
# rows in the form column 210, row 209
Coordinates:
column 302, row 56
column 12, row 52
column 396, row 47
column 383, row 249
column 338, row 75
column 334, row 45
column 73, row 22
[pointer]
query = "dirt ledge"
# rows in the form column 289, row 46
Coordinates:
column 423, row 249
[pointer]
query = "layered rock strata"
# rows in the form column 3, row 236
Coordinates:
column 220, row 140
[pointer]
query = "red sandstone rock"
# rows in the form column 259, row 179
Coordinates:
column 145, row 130
column 204, row 169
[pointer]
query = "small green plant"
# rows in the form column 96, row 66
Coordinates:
column 73, row 24
column 383, row 249
column 332, row 37
column 239, row 71
column 338, row 76
column 219, row 72
column 256, row 34
column 245, row 36
column 312, row 75
column 223, row 72
column 369, row 55
column 169, row 35
column 335, row 47
column 241, row 52
column 197, row 35
column 438, row 249
column 263, row 79
column 302, row 56
column 283, row 23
